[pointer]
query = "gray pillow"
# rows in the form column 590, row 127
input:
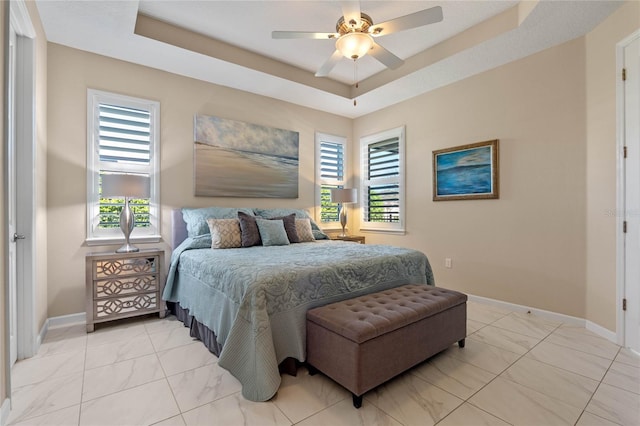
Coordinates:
column 289, row 226
column 272, row 232
column 300, row 214
column 249, row 229
column 196, row 218
column 319, row 235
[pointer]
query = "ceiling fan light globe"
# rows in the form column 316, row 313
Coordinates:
column 354, row 45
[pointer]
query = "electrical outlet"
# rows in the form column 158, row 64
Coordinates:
column 447, row 263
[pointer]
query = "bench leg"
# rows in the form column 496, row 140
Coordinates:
column 461, row 343
column 357, row 400
column 288, row 366
column 312, row 370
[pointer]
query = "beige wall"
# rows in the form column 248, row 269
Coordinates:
column 601, row 79
column 70, row 73
column 545, row 243
column 528, row 247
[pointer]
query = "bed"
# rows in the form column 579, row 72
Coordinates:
column 248, row 305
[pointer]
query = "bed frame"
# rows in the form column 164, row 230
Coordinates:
column 178, row 228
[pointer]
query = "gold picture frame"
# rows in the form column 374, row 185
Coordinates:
column 466, row 172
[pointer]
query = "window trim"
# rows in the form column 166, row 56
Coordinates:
column 341, row 140
column 365, row 141
column 115, row 236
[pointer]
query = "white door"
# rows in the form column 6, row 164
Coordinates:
column 631, row 54
column 11, row 200
column 20, row 165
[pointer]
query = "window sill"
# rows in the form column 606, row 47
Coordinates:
column 107, row 241
column 383, row 231
column 331, row 228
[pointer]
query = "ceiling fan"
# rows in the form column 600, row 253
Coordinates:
column 355, row 33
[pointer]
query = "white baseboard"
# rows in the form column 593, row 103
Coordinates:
column 601, row 331
column 580, row 322
column 81, row 318
column 4, row 411
column 66, row 320
column 61, row 321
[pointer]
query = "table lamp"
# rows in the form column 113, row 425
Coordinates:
column 344, row 196
column 128, row 186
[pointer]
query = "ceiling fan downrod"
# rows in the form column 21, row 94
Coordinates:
column 343, row 27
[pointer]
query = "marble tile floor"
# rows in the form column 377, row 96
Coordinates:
column 516, row 369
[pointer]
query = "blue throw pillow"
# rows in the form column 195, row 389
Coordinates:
column 289, row 226
column 300, row 214
column 272, row 232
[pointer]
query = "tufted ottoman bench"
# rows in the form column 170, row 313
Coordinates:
column 363, row 342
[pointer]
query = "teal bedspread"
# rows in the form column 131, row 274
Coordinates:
column 255, row 299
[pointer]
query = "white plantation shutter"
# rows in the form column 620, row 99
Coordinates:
column 330, row 173
column 124, row 134
column 383, row 180
column 332, row 161
column 123, row 138
column 382, row 202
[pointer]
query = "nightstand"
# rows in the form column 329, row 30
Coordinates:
column 354, row 238
column 123, row 285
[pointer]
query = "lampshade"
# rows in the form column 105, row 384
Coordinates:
column 344, row 195
column 354, row 45
column 123, row 185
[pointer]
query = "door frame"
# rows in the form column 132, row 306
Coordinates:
column 26, row 189
column 621, row 188
column 25, row 166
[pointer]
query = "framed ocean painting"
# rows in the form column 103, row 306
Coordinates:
column 466, row 172
column 237, row 159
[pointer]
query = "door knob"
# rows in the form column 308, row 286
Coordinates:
column 17, row 236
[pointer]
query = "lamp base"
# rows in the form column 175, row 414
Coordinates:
column 128, row 248
column 127, row 223
column 343, row 219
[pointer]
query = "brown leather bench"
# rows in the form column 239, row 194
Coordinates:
column 363, row 342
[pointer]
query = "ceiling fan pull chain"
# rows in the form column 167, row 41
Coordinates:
column 355, row 73
column 355, row 78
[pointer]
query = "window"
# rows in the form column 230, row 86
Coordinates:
column 382, row 181
column 330, row 173
column 122, row 137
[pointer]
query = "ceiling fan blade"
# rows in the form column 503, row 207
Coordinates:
column 302, row 34
column 351, row 10
column 387, row 58
column 413, row 20
column 326, row 68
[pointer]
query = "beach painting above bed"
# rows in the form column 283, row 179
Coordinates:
column 237, row 159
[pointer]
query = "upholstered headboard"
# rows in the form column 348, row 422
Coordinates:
column 178, row 228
